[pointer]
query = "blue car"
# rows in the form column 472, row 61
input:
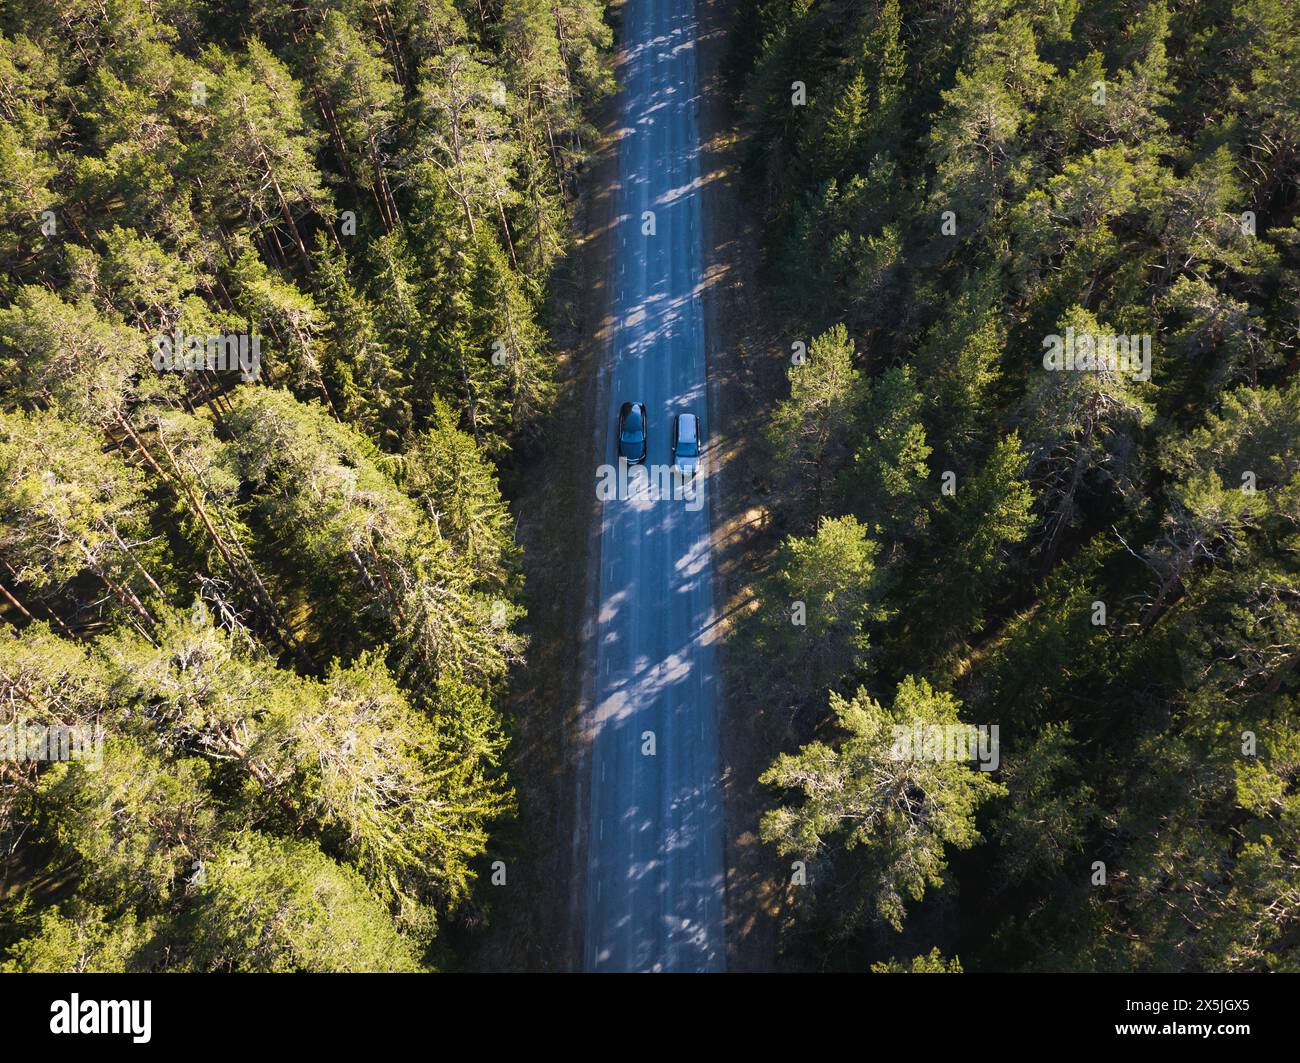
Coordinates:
column 632, row 432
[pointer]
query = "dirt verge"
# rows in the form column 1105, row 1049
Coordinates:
column 746, row 375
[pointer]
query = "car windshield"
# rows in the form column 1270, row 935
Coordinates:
column 686, row 448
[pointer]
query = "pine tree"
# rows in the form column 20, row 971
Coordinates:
column 816, row 609
column 69, row 508
column 972, row 534
column 1081, row 424
column 456, row 487
column 261, row 145
column 809, row 431
column 886, row 485
column 362, row 376
column 275, row 905
column 358, row 102
column 901, row 812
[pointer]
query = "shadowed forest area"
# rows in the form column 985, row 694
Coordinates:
column 1035, row 468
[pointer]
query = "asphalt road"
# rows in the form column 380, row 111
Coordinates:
column 654, row 892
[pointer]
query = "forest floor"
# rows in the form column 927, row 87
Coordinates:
column 536, row 922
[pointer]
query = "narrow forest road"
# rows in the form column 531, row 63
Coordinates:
column 655, row 879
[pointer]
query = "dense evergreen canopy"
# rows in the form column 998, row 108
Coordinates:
column 280, row 578
column 1101, row 562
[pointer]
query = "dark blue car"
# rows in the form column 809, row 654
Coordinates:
column 632, row 432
